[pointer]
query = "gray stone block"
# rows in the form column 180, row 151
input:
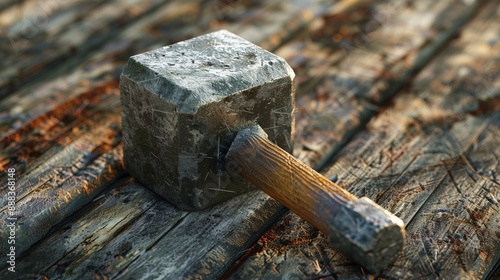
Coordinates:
column 182, row 104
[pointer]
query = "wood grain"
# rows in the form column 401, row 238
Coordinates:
column 57, row 199
column 355, row 86
column 286, row 179
column 58, row 30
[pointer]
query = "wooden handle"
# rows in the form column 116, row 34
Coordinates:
column 288, row 180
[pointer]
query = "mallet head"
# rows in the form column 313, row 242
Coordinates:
column 180, row 102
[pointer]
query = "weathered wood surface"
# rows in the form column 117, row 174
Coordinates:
column 380, row 62
column 40, row 35
column 213, row 239
column 62, row 167
column 432, row 158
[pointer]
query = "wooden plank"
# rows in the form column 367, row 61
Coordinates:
column 27, row 34
column 60, row 196
column 362, row 81
column 455, row 232
column 51, row 32
column 282, row 26
column 130, row 222
column 62, row 165
column 329, row 37
column 61, row 159
column 141, row 232
column 98, row 225
column 55, row 201
column 59, row 127
column 18, row 110
column 205, row 242
column 431, row 158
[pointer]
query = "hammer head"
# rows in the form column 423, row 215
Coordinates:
column 367, row 233
column 180, row 104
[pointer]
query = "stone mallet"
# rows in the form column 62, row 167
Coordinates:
column 200, row 115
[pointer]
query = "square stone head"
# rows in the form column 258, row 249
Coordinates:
column 183, row 103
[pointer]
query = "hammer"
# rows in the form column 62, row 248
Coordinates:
column 208, row 118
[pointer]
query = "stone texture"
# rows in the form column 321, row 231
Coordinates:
column 182, row 104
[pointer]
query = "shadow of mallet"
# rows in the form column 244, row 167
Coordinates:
column 200, row 115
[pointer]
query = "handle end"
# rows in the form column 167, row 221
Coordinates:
column 367, row 233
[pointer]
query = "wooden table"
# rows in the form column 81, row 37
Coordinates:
column 397, row 100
